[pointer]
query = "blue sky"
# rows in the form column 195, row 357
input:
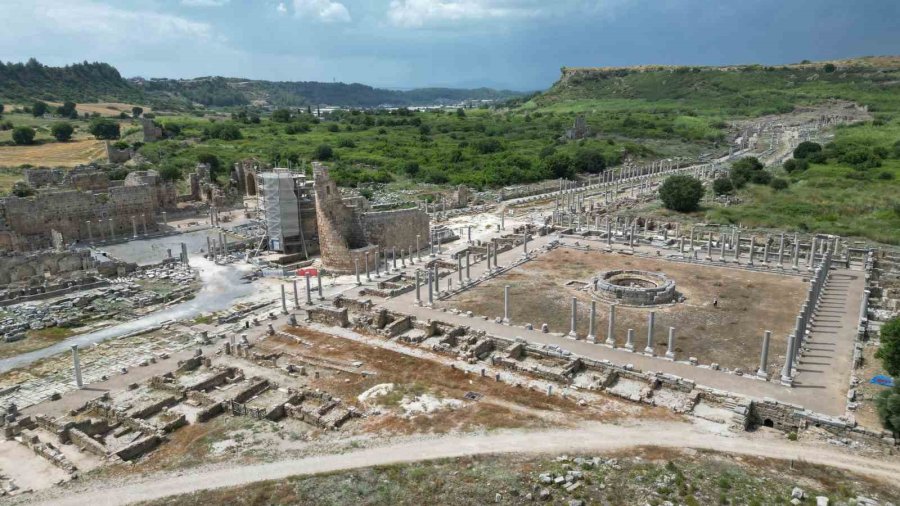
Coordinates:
column 519, row 44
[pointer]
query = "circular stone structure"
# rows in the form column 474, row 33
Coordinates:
column 635, row 288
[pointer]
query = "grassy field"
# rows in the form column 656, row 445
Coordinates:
column 646, row 476
column 53, row 154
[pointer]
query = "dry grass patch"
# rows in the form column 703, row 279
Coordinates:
column 53, row 154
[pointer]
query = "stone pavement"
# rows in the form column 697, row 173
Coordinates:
column 820, row 389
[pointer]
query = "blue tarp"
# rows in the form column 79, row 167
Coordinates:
column 881, row 379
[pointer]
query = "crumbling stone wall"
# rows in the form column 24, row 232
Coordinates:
column 18, row 268
column 26, row 223
column 347, row 231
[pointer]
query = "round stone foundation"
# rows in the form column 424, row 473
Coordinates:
column 634, row 288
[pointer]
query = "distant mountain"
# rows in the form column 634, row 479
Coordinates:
column 81, row 82
column 101, row 82
column 219, row 91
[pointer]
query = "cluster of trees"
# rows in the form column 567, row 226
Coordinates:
column 81, row 82
column 860, row 155
column 222, row 130
column 745, row 171
column 888, row 402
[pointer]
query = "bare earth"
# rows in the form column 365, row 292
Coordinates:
column 748, row 304
column 53, row 154
column 588, row 438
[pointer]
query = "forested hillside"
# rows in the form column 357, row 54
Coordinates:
column 81, row 82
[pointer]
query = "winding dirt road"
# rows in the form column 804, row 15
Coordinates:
column 589, row 438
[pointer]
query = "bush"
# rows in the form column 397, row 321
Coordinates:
column 681, row 193
column 281, row 115
column 829, row 68
column 806, row 148
column 62, row 131
column 20, row 189
column 888, row 405
column 889, row 351
column 761, row 177
column 323, row 153
column 104, row 129
column 487, row 146
column 212, row 160
column 346, row 143
column 223, row 131
column 170, row 173
column 722, row 186
column 558, row 165
column 796, row 165
column 334, row 127
column 411, row 168
column 590, row 161
column 779, row 184
column 67, row 110
column 23, row 135
column 743, row 170
column 296, row 128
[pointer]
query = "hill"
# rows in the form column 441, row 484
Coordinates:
column 81, row 82
column 738, row 90
column 224, row 92
column 100, row 82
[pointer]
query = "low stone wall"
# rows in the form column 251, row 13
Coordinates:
column 86, row 443
column 139, row 447
column 329, row 316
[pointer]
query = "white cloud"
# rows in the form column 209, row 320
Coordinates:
column 420, row 12
column 282, row 9
column 325, row 10
column 204, row 3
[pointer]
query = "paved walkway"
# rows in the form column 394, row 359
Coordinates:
column 821, row 389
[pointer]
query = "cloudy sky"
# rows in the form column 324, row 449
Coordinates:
column 518, row 44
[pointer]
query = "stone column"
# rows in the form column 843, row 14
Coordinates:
column 394, row 256
column 368, row 274
column 308, row 291
column 430, row 288
column 319, row 283
column 781, row 250
column 144, row 223
column 737, row 247
column 592, row 334
column 184, row 254
column 572, row 333
column 378, row 262
column 611, row 328
column 763, row 371
column 786, row 377
column 459, row 269
column 709, row 247
column 418, row 288
column 90, row 232
column 76, row 365
column 796, row 257
column 629, row 343
column 468, row 270
column 283, row 301
column 670, row 349
column 506, row 304
column 418, row 250
column 651, row 318
column 356, row 270
column 752, row 248
column 112, row 229
column 722, row 246
column 296, row 296
column 525, row 243
column 437, row 279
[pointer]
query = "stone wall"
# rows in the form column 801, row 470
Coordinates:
column 389, row 229
column 18, row 268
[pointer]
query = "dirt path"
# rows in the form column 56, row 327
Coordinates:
column 588, row 438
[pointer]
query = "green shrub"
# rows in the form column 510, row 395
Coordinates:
column 722, row 186
column 323, row 153
column 681, row 193
column 23, row 135
column 104, row 129
column 779, row 184
column 888, row 405
column 889, row 351
column 806, row 148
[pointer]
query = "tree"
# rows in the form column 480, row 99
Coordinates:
column 411, row 168
column 23, row 135
column 212, row 160
column 806, row 148
column 460, row 113
column 223, row 131
column 743, row 170
column 62, row 131
column 104, row 129
column 170, row 173
column 323, row 153
column 1, row 109
column 889, row 351
column 888, row 405
column 39, row 109
column 281, row 115
column 67, row 110
column 829, row 68
column 137, row 111
column 558, row 165
column 681, row 193
column 589, row 160
column 722, row 186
